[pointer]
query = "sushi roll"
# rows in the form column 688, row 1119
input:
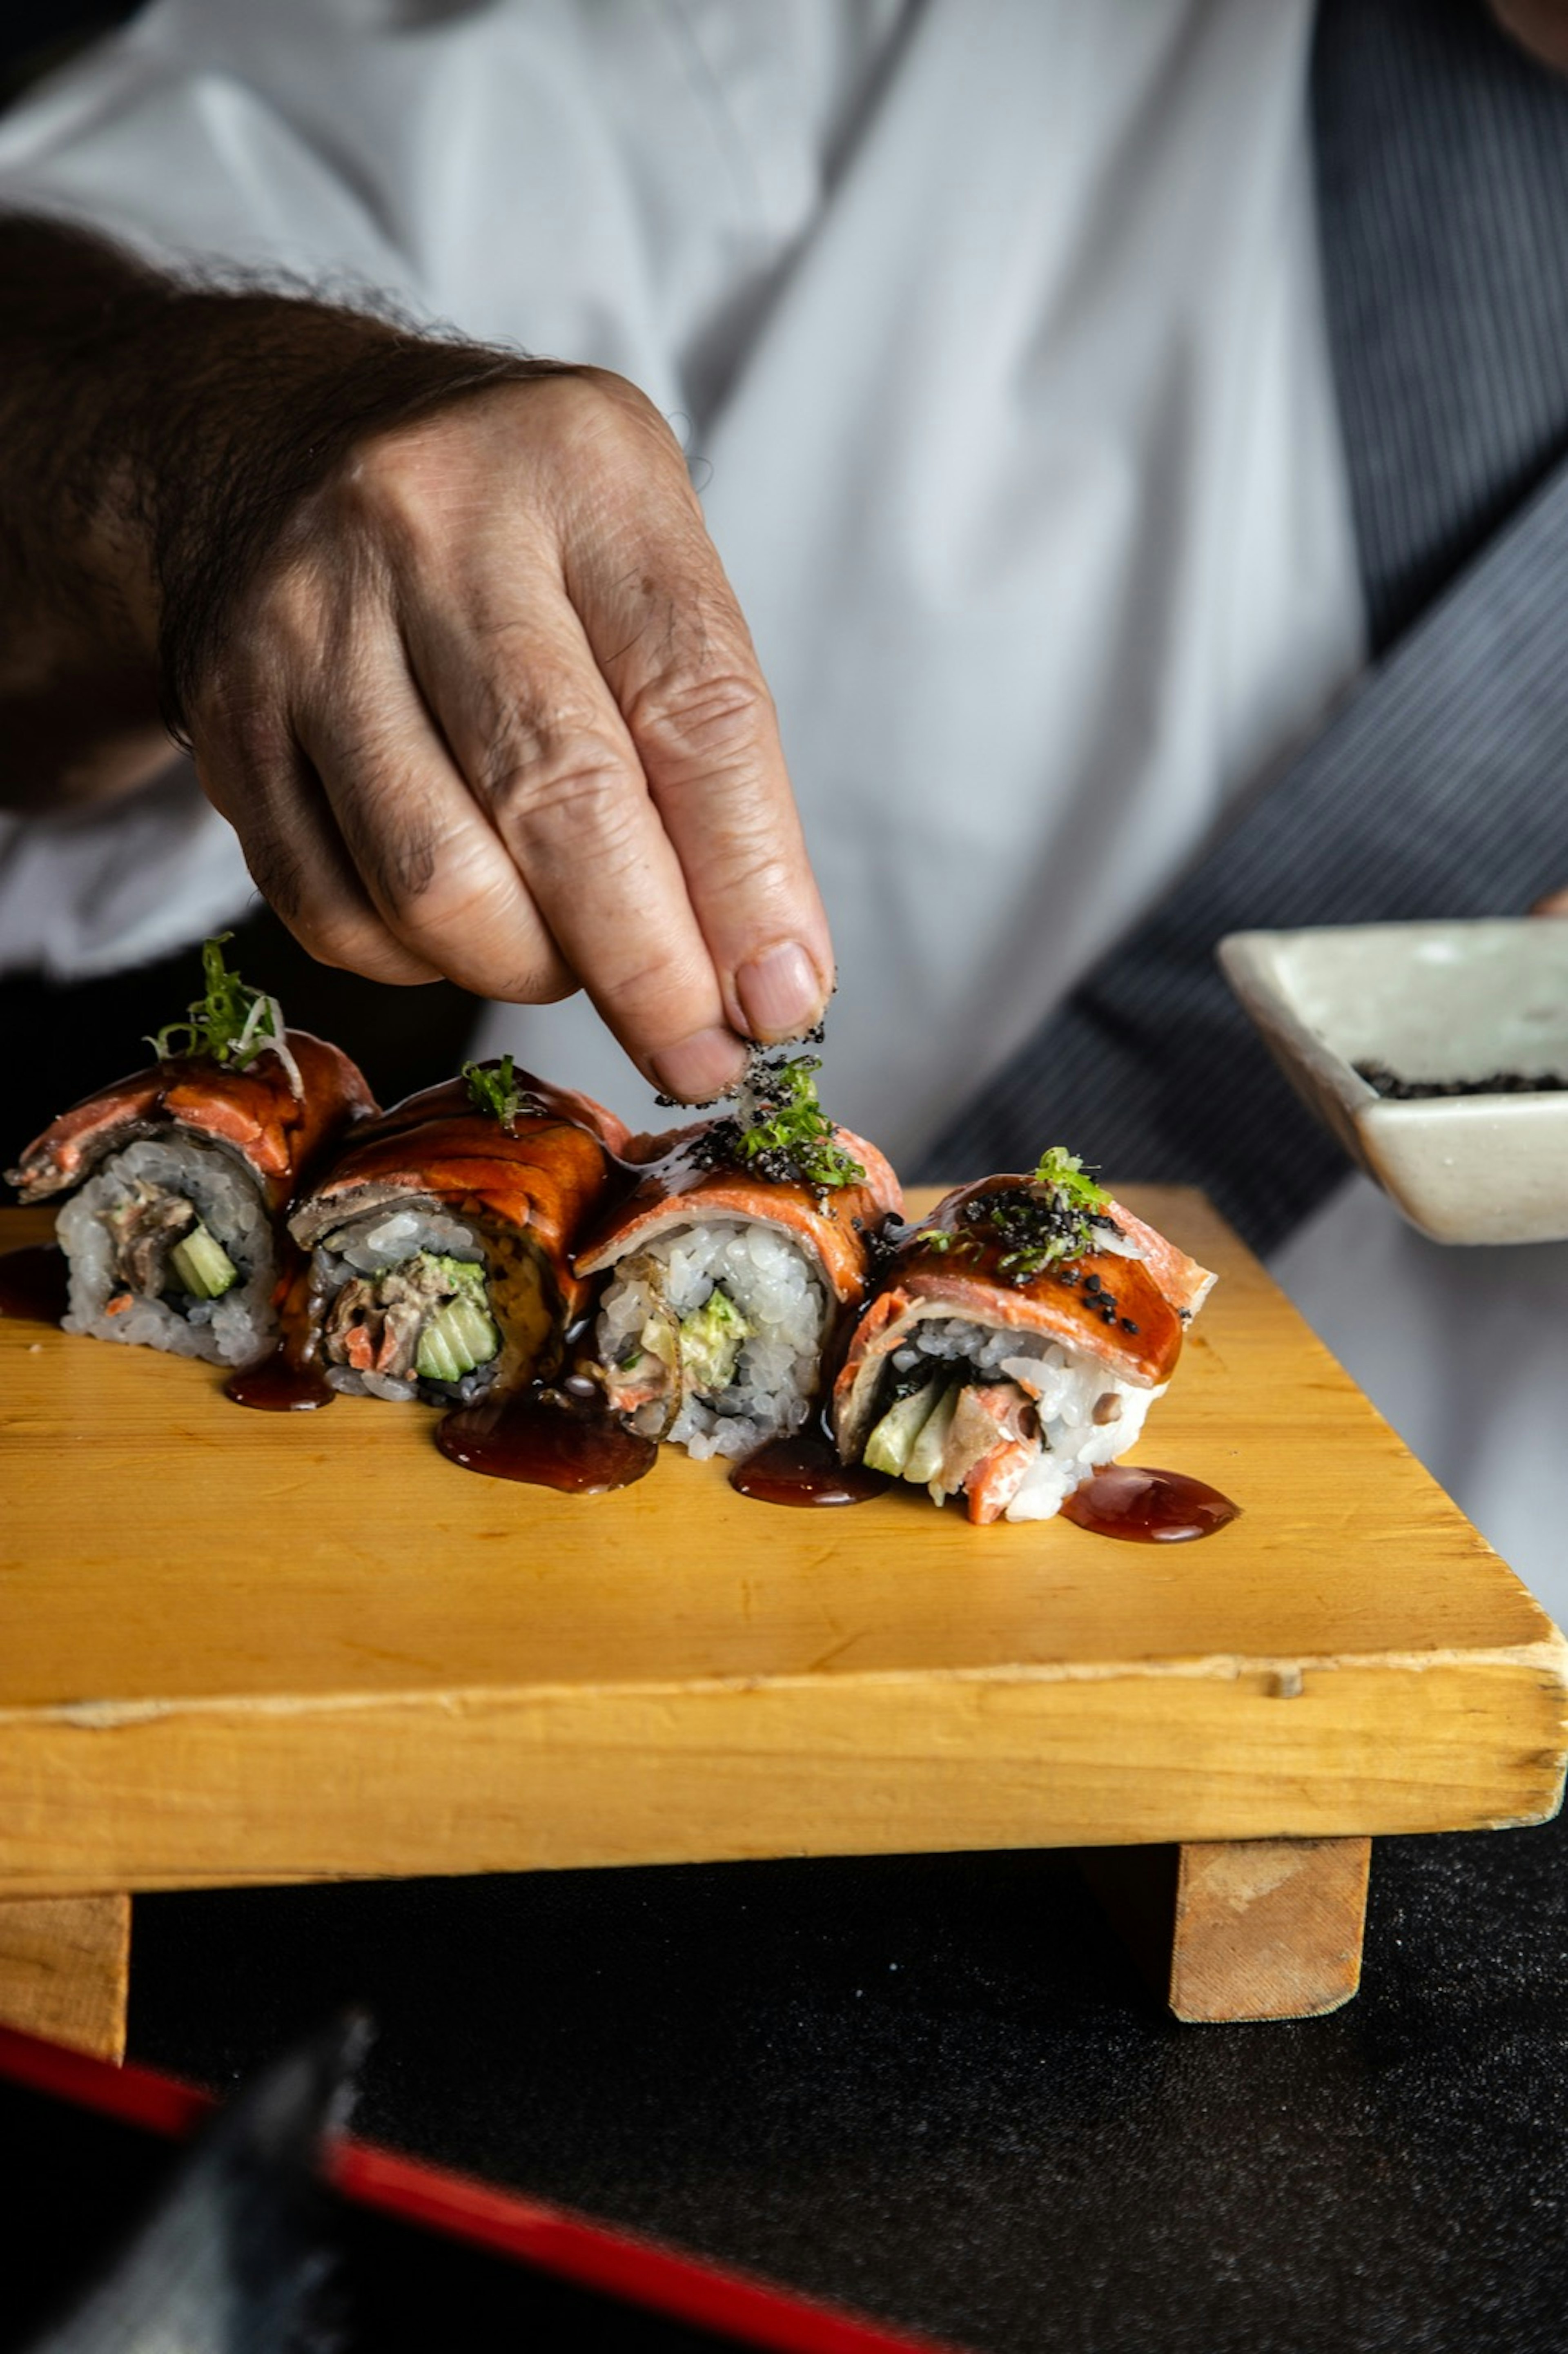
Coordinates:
column 179, row 1176
column 731, row 1263
column 440, row 1242
column 1015, row 1344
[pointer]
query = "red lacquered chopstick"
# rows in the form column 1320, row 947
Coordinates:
column 552, row 2239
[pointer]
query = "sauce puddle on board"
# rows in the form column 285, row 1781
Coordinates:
column 550, row 1440
column 35, row 1284
column 1149, row 1506
column 278, row 1385
column 805, row 1470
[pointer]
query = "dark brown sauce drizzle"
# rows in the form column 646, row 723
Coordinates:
column 805, row 1470
column 279, row 1385
column 1149, row 1506
column 292, row 1380
column 549, row 1439
column 35, row 1284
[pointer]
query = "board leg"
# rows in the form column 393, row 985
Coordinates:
column 1240, row 1929
column 65, row 1970
column 1268, row 1928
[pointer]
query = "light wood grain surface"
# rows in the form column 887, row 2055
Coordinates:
column 237, row 1645
column 65, row 1970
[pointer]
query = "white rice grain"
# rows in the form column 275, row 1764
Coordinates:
column 234, row 1331
column 781, row 1295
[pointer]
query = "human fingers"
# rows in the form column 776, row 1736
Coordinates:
column 1555, row 903
column 256, row 774
column 669, row 638
column 548, row 758
column 433, row 866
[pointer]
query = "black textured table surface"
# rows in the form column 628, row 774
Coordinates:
column 933, row 2088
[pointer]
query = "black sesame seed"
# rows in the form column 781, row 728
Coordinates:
column 1091, row 1283
column 1127, row 1325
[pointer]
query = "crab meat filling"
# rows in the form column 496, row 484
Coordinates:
column 160, row 1248
column 1010, row 1421
column 428, row 1316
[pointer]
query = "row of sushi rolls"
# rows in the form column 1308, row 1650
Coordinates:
column 747, row 1276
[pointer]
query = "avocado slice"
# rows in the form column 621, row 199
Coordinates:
column 888, row 1448
column 711, row 1339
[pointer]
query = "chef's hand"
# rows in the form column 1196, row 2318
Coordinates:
column 492, row 711
column 1554, row 904
column 445, row 632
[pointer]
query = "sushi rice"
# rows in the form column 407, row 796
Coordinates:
column 235, row 1330
column 780, row 1295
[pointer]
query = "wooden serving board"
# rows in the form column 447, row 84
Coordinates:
column 240, row 1647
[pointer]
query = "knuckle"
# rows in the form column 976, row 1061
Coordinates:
column 556, row 776
column 286, row 602
column 704, row 713
column 390, row 474
column 455, row 902
column 457, row 891
column 603, row 402
column 391, row 502
column 601, row 429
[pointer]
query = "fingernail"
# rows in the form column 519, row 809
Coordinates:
column 779, row 993
column 706, row 1064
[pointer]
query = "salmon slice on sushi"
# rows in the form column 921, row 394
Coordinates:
column 1015, row 1344
column 180, row 1175
column 731, row 1263
column 440, row 1242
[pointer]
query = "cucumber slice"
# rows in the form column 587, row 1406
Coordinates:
column 436, row 1360
column 455, row 1339
column 888, row 1448
column 468, row 1326
column 201, row 1266
column 924, row 1459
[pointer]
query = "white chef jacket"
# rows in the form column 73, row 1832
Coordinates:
column 994, row 334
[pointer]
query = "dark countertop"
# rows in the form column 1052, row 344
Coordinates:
column 932, row 2087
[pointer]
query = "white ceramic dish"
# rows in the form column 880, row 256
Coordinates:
column 1437, row 1002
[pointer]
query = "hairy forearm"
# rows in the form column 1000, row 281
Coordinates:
column 158, row 441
